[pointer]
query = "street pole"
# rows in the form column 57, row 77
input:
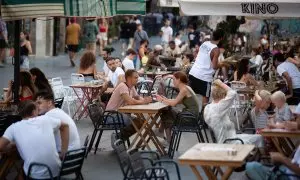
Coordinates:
column 16, row 84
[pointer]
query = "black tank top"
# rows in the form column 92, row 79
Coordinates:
column 24, row 51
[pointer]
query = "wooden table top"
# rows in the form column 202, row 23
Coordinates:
column 280, row 133
column 157, row 73
column 211, row 154
column 146, row 108
column 86, row 85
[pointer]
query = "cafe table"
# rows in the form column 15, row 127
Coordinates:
column 156, row 72
column 149, row 114
column 281, row 139
column 86, row 93
column 211, row 155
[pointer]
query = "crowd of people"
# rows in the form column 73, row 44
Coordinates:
column 198, row 89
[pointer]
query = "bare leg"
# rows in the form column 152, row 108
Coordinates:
column 2, row 56
column 72, row 57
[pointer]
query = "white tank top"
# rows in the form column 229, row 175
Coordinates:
column 202, row 68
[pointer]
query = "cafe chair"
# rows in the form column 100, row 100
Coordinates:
column 158, row 85
column 58, row 102
column 144, row 87
column 99, row 118
column 72, row 163
column 86, row 143
column 144, row 165
column 214, row 140
column 184, row 122
column 170, row 90
column 40, row 165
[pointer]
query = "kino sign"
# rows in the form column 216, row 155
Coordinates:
column 259, row 8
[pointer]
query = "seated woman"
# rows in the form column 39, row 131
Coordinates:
column 40, row 81
column 256, row 60
column 217, row 118
column 88, row 66
column 27, row 88
column 186, row 96
column 242, row 74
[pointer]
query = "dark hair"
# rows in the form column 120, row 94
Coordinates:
column 191, row 26
column 109, row 59
column 290, row 53
column 130, row 51
column 41, row 82
column 26, row 108
column 109, row 49
column 218, row 34
column 143, row 41
column 172, row 42
column 279, row 57
column 177, row 34
column 181, row 76
column 129, row 73
column 87, row 60
column 72, row 20
column 44, row 95
column 242, row 68
column 26, row 81
column 189, row 56
column 26, row 34
column 257, row 50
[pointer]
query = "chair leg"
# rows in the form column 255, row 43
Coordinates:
column 98, row 141
column 171, row 144
column 92, row 140
column 205, row 135
column 176, row 136
column 178, row 141
column 128, row 142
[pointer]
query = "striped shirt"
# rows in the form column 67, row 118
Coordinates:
column 283, row 114
column 259, row 120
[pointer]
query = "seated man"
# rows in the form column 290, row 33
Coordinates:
column 125, row 94
column 173, row 50
column 153, row 60
column 115, row 74
column 45, row 102
column 35, row 140
column 257, row 171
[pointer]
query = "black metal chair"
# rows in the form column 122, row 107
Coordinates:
column 59, row 102
column 72, row 163
column 40, row 165
column 86, row 143
column 184, row 122
column 99, row 118
column 144, row 88
column 133, row 164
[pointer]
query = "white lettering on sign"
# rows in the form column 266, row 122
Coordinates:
column 259, row 8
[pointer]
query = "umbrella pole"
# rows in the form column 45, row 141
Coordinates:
column 16, row 86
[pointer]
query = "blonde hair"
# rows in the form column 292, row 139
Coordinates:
column 278, row 95
column 265, row 95
column 217, row 93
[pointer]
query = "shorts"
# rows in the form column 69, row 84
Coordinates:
column 25, row 64
column 200, row 87
column 73, row 48
column 91, row 46
column 102, row 36
column 2, row 44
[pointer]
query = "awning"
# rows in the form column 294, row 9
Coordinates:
column 263, row 8
column 85, row 8
column 168, row 3
column 21, row 9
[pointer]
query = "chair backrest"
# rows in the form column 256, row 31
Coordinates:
column 59, row 102
column 39, row 165
column 77, row 78
column 144, row 87
column 57, row 87
column 212, row 135
column 186, row 119
column 158, row 85
column 72, row 162
column 122, row 156
column 96, row 113
column 136, row 162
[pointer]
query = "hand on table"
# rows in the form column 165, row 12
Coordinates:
column 147, row 100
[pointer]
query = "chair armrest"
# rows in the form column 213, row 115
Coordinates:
column 160, row 162
column 110, row 112
column 233, row 139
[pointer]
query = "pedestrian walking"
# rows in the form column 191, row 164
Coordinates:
column 166, row 33
column 72, row 40
column 90, row 32
column 139, row 35
column 3, row 41
column 102, row 36
column 25, row 50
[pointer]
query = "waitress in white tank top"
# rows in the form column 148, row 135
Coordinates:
column 201, row 73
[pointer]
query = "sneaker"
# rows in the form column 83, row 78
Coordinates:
column 72, row 63
column 123, row 53
column 158, row 134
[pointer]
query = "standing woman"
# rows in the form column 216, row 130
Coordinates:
column 143, row 51
column 103, row 29
column 25, row 50
column 40, row 81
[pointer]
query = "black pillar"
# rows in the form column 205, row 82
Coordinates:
column 55, row 34
column 16, row 85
